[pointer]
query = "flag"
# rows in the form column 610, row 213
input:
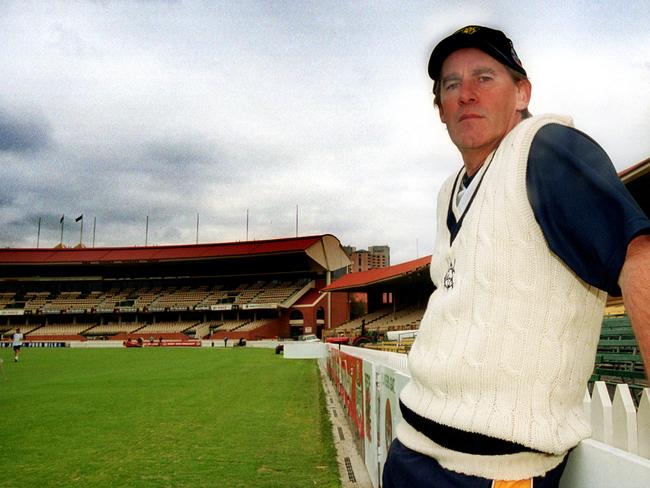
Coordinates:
column 79, row 218
column 61, row 220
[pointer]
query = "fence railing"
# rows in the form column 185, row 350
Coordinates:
column 368, row 383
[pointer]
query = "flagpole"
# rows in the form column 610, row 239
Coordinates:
column 38, row 235
column 146, row 232
column 81, row 232
column 61, row 221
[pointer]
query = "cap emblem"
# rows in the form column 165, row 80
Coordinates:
column 470, row 29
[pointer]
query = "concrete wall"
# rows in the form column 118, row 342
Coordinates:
column 304, row 350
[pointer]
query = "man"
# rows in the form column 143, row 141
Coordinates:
column 532, row 233
column 17, row 343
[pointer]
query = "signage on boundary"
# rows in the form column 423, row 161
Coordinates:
column 253, row 306
column 12, row 311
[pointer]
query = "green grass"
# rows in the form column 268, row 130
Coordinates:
column 163, row 418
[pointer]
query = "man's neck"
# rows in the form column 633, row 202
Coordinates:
column 475, row 160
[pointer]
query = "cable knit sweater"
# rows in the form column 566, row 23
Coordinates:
column 507, row 343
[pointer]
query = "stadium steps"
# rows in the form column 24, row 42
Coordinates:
column 618, row 358
column 298, row 295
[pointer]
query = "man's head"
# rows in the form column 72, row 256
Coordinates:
column 481, row 88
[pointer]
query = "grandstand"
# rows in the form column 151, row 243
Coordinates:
column 252, row 290
column 395, row 297
column 246, row 290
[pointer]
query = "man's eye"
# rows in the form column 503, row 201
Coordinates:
column 452, row 85
column 483, row 79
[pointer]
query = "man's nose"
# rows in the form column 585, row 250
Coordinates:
column 468, row 93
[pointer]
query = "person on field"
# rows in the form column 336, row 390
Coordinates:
column 533, row 231
column 17, row 343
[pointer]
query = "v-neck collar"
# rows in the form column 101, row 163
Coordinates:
column 454, row 224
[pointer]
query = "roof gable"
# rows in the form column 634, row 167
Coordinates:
column 362, row 279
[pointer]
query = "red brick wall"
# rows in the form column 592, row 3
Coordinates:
column 340, row 308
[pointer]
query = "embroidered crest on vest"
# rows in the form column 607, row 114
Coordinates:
column 449, row 276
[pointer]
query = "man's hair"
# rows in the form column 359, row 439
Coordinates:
column 516, row 77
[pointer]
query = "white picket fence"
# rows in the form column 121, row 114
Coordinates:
column 618, row 423
column 617, row 455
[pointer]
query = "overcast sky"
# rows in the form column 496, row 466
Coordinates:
column 119, row 110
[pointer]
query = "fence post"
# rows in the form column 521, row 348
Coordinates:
column 601, row 413
column 624, row 420
column 643, row 424
column 586, row 405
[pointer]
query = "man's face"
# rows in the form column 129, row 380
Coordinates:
column 479, row 100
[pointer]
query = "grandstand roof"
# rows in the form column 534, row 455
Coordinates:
column 363, row 279
column 325, row 249
column 309, row 299
column 635, row 171
column 637, row 179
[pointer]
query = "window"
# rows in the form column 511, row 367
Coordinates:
column 295, row 315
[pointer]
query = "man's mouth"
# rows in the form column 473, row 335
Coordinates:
column 470, row 116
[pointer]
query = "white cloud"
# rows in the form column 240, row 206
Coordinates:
column 170, row 109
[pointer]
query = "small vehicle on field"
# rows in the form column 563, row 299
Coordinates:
column 308, row 338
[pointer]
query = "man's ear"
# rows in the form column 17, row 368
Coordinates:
column 524, row 89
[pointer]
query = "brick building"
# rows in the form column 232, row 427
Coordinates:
column 363, row 260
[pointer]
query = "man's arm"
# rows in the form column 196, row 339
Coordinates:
column 587, row 215
column 635, row 285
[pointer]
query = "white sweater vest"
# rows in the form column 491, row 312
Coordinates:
column 507, row 343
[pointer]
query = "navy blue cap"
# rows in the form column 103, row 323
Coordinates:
column 491, row 41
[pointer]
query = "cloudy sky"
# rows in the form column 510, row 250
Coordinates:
column 123, row 110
